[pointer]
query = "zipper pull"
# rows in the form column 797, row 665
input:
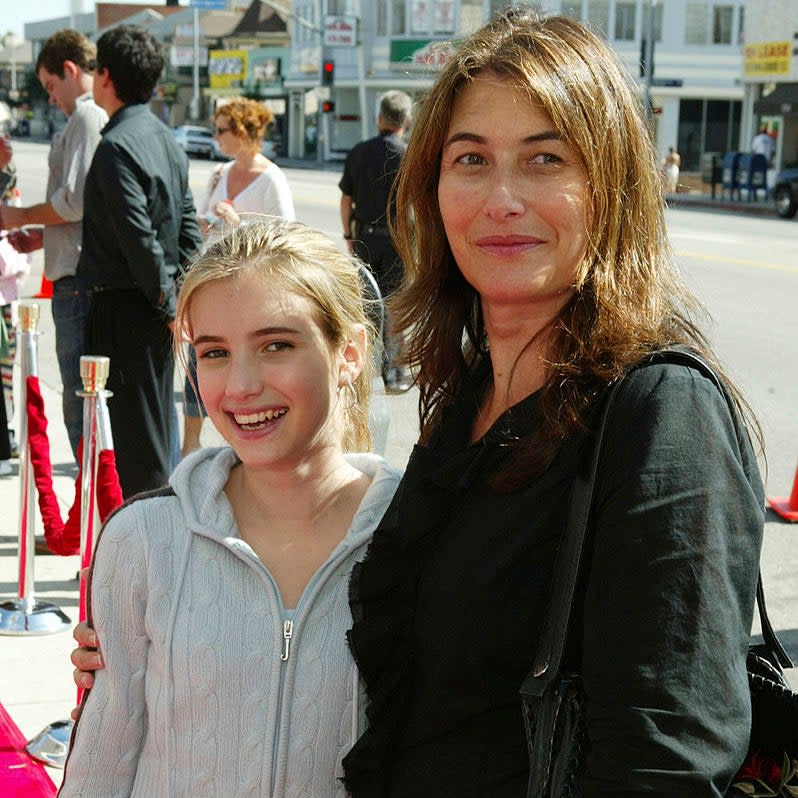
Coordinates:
column 288, row 631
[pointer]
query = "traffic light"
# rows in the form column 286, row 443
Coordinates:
column 327, row 73
column 328, row 106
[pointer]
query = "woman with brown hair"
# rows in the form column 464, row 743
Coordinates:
column 530, row 224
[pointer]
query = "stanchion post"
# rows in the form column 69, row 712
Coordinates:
column 93, row 374
column 25, row 615
column 51, row 745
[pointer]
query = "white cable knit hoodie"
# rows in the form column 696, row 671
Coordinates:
column 203, row 693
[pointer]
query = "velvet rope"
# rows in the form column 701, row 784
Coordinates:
column 64, row 538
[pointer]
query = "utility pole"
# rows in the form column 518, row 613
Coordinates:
column 649, row 66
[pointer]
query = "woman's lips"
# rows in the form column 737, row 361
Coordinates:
column 507, row 245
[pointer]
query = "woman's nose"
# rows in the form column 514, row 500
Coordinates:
column 504, row 197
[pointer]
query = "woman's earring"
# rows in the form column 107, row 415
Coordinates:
column 349, row 387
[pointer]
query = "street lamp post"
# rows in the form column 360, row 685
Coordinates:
column 11, row 42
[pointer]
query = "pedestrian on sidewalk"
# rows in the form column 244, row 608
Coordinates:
column 139, row 230
column 64, row 68
column 222, row 601
column 670, row 171
column 763, row 144
column 369, row 172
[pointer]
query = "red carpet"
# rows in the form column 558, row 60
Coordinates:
column 20, row 776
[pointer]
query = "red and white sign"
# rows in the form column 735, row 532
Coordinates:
column 340, row 31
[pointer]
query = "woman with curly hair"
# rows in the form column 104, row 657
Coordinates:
column 250, row 183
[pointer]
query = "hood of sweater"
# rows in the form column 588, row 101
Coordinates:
column 199, row 481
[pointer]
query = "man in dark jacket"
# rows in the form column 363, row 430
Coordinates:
column 139, row 229
column 369, row 172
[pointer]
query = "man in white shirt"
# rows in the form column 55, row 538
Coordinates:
column 763, row 144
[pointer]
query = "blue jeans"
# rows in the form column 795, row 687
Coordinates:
column 70, row 308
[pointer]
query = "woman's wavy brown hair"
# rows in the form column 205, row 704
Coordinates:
column 249, row 119
column 629, row 297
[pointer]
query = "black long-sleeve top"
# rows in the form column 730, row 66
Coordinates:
column 139, row 220
column 449, row 604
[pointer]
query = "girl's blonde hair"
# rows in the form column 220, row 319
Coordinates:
column 290, row 256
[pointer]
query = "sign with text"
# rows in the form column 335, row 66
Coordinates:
column 767, row 58
column 227, row 69
column 420, row 54
column 340, row 31
column 183, row 55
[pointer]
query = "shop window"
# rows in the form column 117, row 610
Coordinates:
column 598, row 17
column 696, row 19
column 625, row 14
column 722, row 18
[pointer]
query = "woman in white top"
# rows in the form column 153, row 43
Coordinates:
column 250, row 183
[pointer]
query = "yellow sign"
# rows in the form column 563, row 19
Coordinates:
column 227, row 69
column 767, row 58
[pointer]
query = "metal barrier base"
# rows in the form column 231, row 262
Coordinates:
column 51, row 745
column 19, row 617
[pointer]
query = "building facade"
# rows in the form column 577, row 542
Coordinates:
column 375, row 45
column 770, row 74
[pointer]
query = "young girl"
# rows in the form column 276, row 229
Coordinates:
column 221, row 601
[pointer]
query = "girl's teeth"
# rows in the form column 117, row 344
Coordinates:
column 258, row 418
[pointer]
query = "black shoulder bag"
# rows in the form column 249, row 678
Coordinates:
column 552, row 695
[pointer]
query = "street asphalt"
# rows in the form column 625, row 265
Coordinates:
column 37, row 687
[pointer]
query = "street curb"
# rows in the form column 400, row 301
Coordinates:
column 705, row 202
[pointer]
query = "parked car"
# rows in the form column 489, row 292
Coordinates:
column 196, row 140
column 785, row 193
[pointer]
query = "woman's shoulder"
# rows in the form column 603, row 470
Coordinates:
column 135, row 513
column 668, row 406
column 664, row 382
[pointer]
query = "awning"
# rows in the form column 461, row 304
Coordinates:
column 783, row 100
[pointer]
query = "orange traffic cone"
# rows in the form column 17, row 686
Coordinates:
column 45, row 290
column 787, row 508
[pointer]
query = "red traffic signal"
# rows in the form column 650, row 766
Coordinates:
column 327, row 73
column 328, row 106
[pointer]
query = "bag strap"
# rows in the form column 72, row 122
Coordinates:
column 568, row 561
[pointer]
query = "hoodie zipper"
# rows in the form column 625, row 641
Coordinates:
column 288, row 631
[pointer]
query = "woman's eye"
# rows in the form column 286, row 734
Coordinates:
column 470, row 159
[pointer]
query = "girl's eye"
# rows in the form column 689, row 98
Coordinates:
column 212, row 354
column 278, row 346
column 547, row 158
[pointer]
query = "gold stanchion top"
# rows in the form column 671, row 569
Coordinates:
column 28, row 316
column 94, row 372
